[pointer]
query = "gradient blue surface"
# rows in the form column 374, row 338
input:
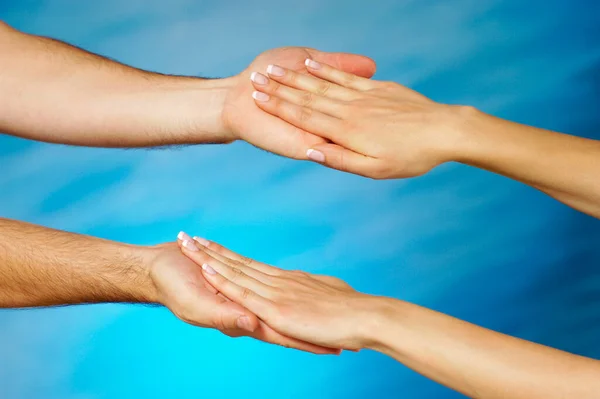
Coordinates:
column 463, row 241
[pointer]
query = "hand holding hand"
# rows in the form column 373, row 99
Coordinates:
column 376, row 129
column 319, row 309
column 244, row 121
column 182, row 288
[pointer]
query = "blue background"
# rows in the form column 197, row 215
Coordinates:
column 463, row 241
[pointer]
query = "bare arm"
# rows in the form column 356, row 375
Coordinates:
column 43, row 267
column 384, row 130
column 476, row 361
column 46, row 267
column 52, row 91
column 324, row 310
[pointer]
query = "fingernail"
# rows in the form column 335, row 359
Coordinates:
column 244, row 323
column 275, row 70
column 183, row 236
column 202, row 241
column 189, row 245
column 262, row 97
column 315, row 155
column 208, row 269
column 259, row 78
column 312, row 64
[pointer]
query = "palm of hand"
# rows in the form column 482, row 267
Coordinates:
column 249, row 123
column 185, row 291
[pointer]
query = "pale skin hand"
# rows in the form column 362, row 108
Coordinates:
column 45, row 267
column 477, row 362
column 384, row 130
column 54, row 92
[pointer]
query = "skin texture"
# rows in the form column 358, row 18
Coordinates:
column 475, row 361
column 55, row 92
column 384, row 130
column 45, row 267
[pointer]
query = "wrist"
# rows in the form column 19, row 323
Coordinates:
column 373, row 319
column 194, row 109
column 135, row 283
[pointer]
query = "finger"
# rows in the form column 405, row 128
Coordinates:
column 230, row 315
column 340, row 158
column 184, row 236
column 307, row 83
column 225, row 252
column 338, row 77
column 254, row 273
column 244, row 296
column 305, row 98
column 353, row 63
column 267, row 334
column 233, row 274
column 304, row 118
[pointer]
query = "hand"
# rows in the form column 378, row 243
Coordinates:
column 181, row 287
column 376, row 129
column 246, row 122
column 319, row 309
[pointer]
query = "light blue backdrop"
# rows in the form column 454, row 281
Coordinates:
column 462, row 241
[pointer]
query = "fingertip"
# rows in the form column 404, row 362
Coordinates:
column 260, row 96
column 315, row 155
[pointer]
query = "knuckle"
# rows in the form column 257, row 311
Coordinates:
column 348, row 79
column 304, row 114
column 236, row 273
column 306, row 99
column 322, row 88
column 246, row 293
column 274, row 87
column 244, row 260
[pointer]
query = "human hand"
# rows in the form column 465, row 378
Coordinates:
column 376, row 129
column 181, row 287
column 244, row 121
column 319, row 309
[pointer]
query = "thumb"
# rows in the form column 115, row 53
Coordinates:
column 232, row 316
column 340, row 158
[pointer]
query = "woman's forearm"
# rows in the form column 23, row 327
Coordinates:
column 563, row 166
column 478, row 362
column 55, row 92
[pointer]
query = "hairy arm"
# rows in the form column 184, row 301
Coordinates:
column 54, row 92
column 45, row 267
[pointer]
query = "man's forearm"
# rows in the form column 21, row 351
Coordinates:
column 45, row 267
column 55, row 92
column 563, row 166
column 475, row 361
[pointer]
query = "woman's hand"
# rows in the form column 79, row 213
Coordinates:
column 377, row 129
column 318, row 309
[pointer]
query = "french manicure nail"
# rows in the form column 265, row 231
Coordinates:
column 189, row 245
column 208, row 269
column 183, row 236
column 259, row 78
column 243, row 322
column 202, row 241
column 312, row 64
column 315, row 155
column 262, row 97
column 275, row 70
